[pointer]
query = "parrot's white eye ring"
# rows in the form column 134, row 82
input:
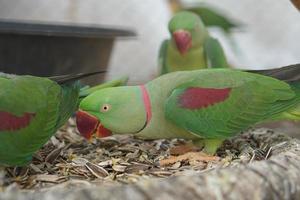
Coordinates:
column 105, row 108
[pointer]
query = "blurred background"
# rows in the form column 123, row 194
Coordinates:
column 266, row 36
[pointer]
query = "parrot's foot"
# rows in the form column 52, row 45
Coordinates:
column 210, row 145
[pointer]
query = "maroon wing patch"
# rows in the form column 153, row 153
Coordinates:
column 197, row 98
column 10, row 122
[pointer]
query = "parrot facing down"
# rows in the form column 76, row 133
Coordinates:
column 31, row 111
column 190, row 47
column 207, row 105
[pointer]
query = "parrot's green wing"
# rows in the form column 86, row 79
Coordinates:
column 29, row 109
column 27, row 94
column 215, row 54
column 211, row 17
column 220, row 103
column 162, row 60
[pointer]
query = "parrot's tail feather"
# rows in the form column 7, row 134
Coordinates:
column 293, row 113
column 289, row 73
column 72, row 77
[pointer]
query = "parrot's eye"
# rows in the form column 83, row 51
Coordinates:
column 105, row 108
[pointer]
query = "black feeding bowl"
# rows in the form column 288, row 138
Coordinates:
column 54, row 49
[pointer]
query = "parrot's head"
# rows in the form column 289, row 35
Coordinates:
column 112, row 110
column 187, row 30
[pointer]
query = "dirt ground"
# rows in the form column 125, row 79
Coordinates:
column 67, row 159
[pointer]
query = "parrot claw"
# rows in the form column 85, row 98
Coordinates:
column 210, row 146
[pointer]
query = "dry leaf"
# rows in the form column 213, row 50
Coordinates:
column 175, row 165
column 50, row 178
column 80, row 161
column 35, row 168
column 182, row 149
column 161, row 173
column 96, row 170
column 119, row 168
column 106, row 163
column 199, row 156
column 53, row 155
column 137, row 168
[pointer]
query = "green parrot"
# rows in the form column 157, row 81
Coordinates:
column 190, row 47
column 206, row 106
column 33, row 108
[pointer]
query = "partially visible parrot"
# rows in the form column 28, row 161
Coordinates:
column 190, row 47
column 33, row 108
column 214, row 18
column 210, row 16
column 206, row 106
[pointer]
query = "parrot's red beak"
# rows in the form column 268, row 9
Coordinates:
column 89, row 125
column 183, row 40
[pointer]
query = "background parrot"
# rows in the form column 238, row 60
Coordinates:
column 207, row 105
column 33, row 108
column 190, row 46
column 210, row 16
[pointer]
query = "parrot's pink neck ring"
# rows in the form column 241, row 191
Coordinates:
column 147, row 102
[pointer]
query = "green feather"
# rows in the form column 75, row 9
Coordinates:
column 162, row 61
column 212, row 17
column 69, row 102
column 215, row 54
